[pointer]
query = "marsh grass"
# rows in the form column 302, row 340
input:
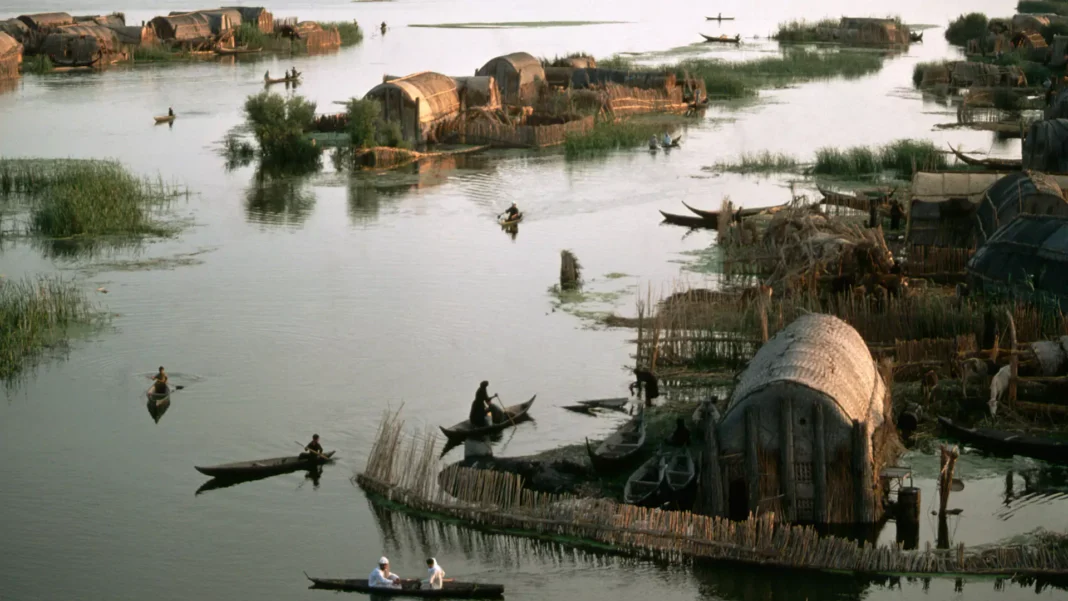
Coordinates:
column 759, row 162
column 608, row 136
column 351, row 34
column 85, row 198
column 34, row 316
column 38, row 65
column 862, row 161
column 805, row 31
column 158, row 53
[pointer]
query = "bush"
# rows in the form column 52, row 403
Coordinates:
column 367, row 128
column 279, row 124
column 967, row 27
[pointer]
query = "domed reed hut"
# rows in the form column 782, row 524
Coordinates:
column 808, row 430
column 219, row 20
column 421, row 103
column 1027, row 258
column 10, row 57
column 188, row 30
column 81, row 45
column 1046, row 146
column 517, row 76
column 1014, row 194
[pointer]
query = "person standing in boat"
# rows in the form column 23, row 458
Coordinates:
column 382, row 578
column 483, row 411
column 647, row 380
column 160, row 380
column 666, row 143
column 267, row 75
column 435, row 575
column 512, row 212
column 170, row 111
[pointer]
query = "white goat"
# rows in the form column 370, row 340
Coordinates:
column 998, row 385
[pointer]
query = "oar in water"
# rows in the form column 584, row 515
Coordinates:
column 503, row 409
column 307, row 450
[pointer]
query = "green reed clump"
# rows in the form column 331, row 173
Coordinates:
column 84, row 198
column 38, row 65
column 806, row 31
column 34, row 315
column 862, row 161
column 967, row 27
column 741, row 79
column 249, row 35
column 921, row 68
column 759, row 162
column 278, row 125
column 607, row 136
column 350, row 31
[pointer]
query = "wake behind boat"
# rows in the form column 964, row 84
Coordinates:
column 413, row 588
column 264, row 467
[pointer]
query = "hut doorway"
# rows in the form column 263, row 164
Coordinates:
column 738, row 494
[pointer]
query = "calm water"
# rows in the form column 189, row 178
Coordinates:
column 314, row 306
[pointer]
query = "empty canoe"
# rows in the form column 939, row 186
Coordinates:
column 465, row 429
column 1008, row 443
column 644, row 485
column 621, row 448
column 687, row 220
column 263, row 467
column 413, row 588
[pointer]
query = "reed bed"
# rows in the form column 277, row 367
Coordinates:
column 806, row 31
column 902, row 157
column 402, row 471
column 351, row 33
column 34, row 314
column 84, row 197
column 764, row 161
column 570, row 271
column 608, row 136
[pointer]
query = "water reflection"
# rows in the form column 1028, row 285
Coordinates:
column 365, row 197
column 282, row 200
column 81, row 249
column 158, row 406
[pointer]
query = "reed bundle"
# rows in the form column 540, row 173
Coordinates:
column 570, row 271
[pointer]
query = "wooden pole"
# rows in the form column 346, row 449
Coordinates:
column 1014, row 360
column 763, row 307
column 945, row 476
column 863, row 501
column 786, row 467
column 819, row 467
column 752, row 461
column 710, row 497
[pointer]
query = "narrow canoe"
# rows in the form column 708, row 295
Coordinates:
column 687, row 221
column 263, row 467
column 158, row 396
column 158, row 405
column 235, row 51
column 513, row 414
column 679, row 470
column 719, row 18
column 413, row 588
column 916, row 37
column 714, row 215
column 722, row 39
column 993, row 164
column 621, row 448
column 269, row 81
column 508, row 222
column 616, row 404
column 645, row 484
column 1008, row 443
column 165, row 119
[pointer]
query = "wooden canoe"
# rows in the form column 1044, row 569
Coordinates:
column 158, row 405
column 263, row 467
column 992, row 164
column 508, row 222
column 464, row 429
column 236, row 51
column 413, row 588
column 621, row 448
column 687, row 221
column 645, row 484
column 268, row 81
column 679, row 470
column 722, row 39
column 719, row 18
column 714, row 215
column 1008, row 443
column 916, row 37
column 616, row 404
column 165, row 119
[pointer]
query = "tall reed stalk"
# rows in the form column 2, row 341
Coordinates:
column 34, row 314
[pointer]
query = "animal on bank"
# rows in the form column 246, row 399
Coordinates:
column 970, row 369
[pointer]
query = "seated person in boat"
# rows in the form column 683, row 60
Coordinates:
column 381, row 576
column 512, row 212
column 313, row 447
column 435, row 575
column 667, row 140
column 267, row 75
column 653, row 144
column 160, row 379
column 648, row 380
column 681, row 436
column 483, row 411
column 170, row 111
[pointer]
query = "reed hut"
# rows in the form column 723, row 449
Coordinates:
column 317, row 39
column 18, row 30
column 1035, row 23
column 82, row 45
column 478, row 91
column 517, row 77
column 113, row 20
column 1013, row 195
column 1045, row 148
column 421, row 103
column 220, row 20
column 257, row 16
column 133, row 36
column 576, row 62
column 808, row 428
column 1027, row 258
column 46, row 21
column 190, row 29
column 942, row 207
column 875, row 32
column 10, row 57
column 1058, row 51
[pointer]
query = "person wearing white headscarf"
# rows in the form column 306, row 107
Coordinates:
column 435, row 575
column 382, row 578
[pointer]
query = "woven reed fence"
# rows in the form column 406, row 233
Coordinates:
column 926, row 260
column 520, row 136
column 626, row 100
column 326, row 39
column 404, row 470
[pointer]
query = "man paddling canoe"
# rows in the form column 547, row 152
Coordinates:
column 483, row 411
column 381, row 576
column 435, row 575
column 160, row 379
column 512, row 213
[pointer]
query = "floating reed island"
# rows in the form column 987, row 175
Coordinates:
column 402, row 472
column 60, row 41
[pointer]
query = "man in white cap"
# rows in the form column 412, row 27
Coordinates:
column 435, row 575
column 382, row 578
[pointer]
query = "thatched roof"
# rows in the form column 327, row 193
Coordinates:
column 106, row 38
column 184, row 27
column 1045, row 148
column 16, row 29
column 435, row 92
column 480, row 91
column 943, row 185
column 249, row 13
column 821, row 353
column 1029, row 40
column 39, row 21
column 1016, row 193
column 134, row 35
column 1030, row 255
column 218, row 19
column 8, row 45
column 526, row 66
column 112, row 20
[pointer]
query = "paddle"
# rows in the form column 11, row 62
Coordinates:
column 307, row 450
column 503, row 409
